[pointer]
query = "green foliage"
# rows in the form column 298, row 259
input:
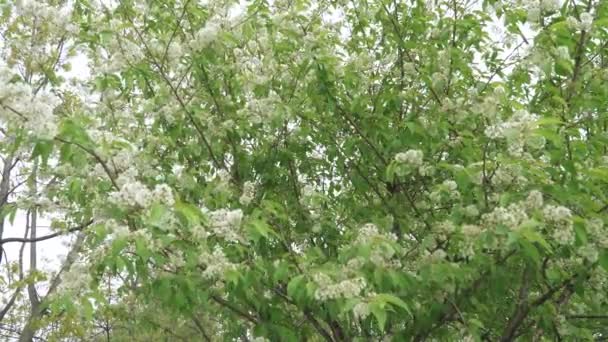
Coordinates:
column 337, row 170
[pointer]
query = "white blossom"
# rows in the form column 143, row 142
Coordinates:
column 558, row 214
column 248, row 193
column 164, row 194
column 76, row 278
column 361, row 310
column 345, row 289
column 411, row 157
column 564, row 235
column 216, row 263
column 226, row 223
column 550, row 5
column 589, row 252
column 205, row 36
column 470, row 230
column 133, row 194
column 586, row 21
column 534, row 200
column 471, row 210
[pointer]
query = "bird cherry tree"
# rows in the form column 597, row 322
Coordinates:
column 316, row 170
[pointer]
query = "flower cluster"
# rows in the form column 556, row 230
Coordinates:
column 515, row 130
column 226, row 224
column 137, row 194
column 361, row 310
column 328, row 289
column 216, row 263
column 120, row 231
column 584, row 24
column 410, row 157
column 369, row 232
column 512, row 216
column 595, row 228
column 248, row 193
column 205, row 35
column 446, row 191
column 561, row 218
column 19, row 104
column 76, row 278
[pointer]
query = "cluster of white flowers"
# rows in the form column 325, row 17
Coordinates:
column 226, row 224
column 589, row 252
column 205, row 35
column 445, row 191
column 216, row 263
column 248, row 193
column 535, row 9
column 437, row 255
column 361, row 310
column 136, row 194
column 52, row 15
column 584, row 24
column 508, row 175
column 550, row 5
column 133, row 193
column 163, row 194
column 446, row 227
column 561, row 218
column 259, row 110
column 595, row 228
column 470, row 230
column 176, row 260
column 121, row 53
column 470, row 210
column 426, row 170
column 533, row 12
column 120, row 231
column 328, row 289
column 254, row 71
column 411, row 157
column 534, row 201
column 308, row 192
column 76, row 278
column 369, row 232
column 557, row 214
column 515, row 130
column 123, row 159
column 20, row 105
column 488, row 107
column 512, row 216
column 146, row 237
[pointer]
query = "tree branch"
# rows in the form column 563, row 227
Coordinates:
column 46, row 237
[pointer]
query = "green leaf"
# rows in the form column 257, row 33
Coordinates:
column 377, row 309
column 259, row 228
column 527, row 232
column 295, row 286
column 394, row 300
column 42, row 149
column 73, row 132
column 188, row 214
column 158, row 216
column 603, row 259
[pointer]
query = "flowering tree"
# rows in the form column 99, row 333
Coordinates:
column 318, row 170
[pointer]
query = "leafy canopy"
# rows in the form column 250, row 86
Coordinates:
column 323, row 170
